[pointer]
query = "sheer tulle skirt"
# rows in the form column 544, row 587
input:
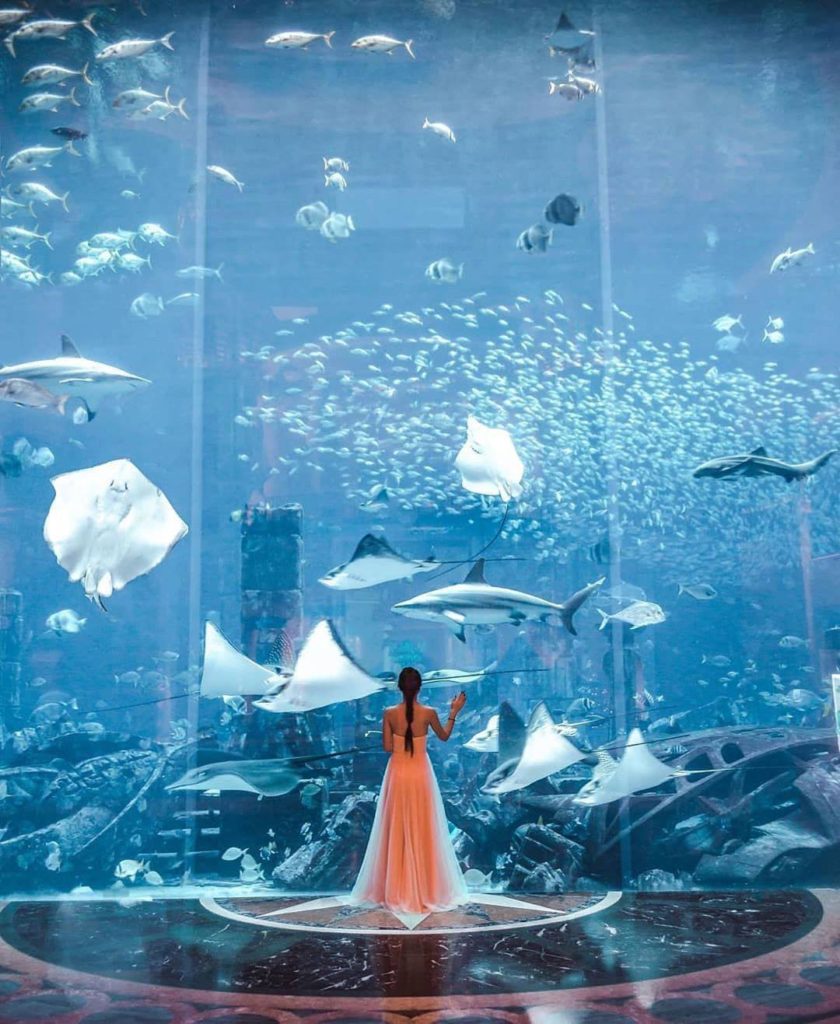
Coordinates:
column 409, row 864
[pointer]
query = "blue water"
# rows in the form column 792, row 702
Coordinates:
column 709, row 150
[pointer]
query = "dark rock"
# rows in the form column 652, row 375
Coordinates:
column 28, row 853
column 542, row 879
column 658, row 880
column 333, row 859
column 778, row 853
column 542, row 845
column 103, row 781
column 819, row 786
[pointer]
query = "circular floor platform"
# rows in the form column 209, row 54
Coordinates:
column 600, row 959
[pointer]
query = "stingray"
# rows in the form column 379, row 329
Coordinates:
column 264, row 778
column 108, row 525
column 567, row 38
column 486, row 741
column 325, row 673
column 373, row 562
column 546, row 751
column 270, row 777
column 438, row 678
column 512, row 734
column 226, row 672
column 488, row 462
column 637, row 770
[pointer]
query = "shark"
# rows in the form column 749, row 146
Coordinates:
column 71, row 375
column 758, row 463
column 475, row 602
column 373, row 562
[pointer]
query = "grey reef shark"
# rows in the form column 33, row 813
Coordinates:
column 73, row 376
column 475, row 602
column 758, row 463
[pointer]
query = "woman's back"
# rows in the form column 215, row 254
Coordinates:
column 423, row 717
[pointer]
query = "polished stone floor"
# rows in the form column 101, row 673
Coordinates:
column 614, row 958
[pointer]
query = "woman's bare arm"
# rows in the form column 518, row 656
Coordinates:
column 387, row 733
column 442, row 732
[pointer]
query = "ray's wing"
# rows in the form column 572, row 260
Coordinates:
column 227, row 672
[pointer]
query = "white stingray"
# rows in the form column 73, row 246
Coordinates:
column 546, row 751
column 488, row 462
column 108, row 525
column 325, row 673
column 637, row 770
column 227, row 672
column 487, row 740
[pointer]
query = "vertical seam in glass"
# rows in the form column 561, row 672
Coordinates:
column 608, row 391
column 197, row 420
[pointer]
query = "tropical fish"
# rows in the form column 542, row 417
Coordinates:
column 439, row 128
column 563, row 209
column 74, row 134
column 534, row 239
column 569, row 90
column 146, row 305
column 47, row 28
column 50, row 101
column 224, row 175
column 66, row 622
column 50, row 74
column 127, row 48
column 726, row 322
column 636, row 615
column 699, row 591
column 198, row 273
column 445, row 271
column 132, row 98
column 13, row 234
column 383, row 44
column 337, row 225
column 38, row 156
column 791, row 258
column 298, row 40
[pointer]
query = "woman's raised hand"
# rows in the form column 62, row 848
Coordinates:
column 458, row 702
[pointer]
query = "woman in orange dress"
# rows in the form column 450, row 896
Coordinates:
column 409, row 863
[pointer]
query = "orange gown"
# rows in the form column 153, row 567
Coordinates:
column 409, row 864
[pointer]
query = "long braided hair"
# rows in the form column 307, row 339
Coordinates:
column 410, row 683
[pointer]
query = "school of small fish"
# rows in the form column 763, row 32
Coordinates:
column 544, row 371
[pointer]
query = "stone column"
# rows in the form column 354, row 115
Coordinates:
column 272, row 602
column 11, row 641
